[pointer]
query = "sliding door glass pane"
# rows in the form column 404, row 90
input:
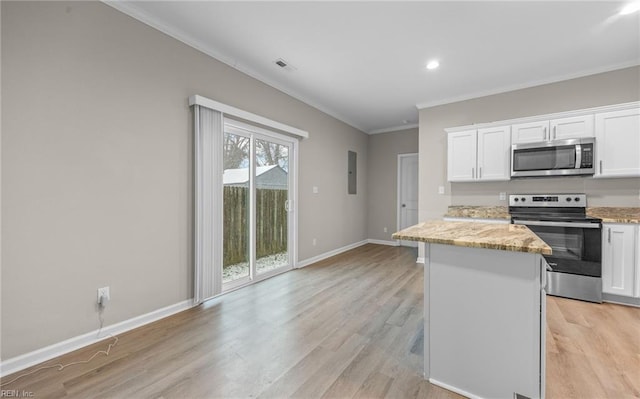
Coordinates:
column 272, row 195
column 235, row 263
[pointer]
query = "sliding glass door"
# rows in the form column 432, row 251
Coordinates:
column 272, row 205
column 257, row 205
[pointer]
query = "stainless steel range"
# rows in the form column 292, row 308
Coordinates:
column 560, row 220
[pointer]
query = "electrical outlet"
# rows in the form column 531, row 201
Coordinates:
column 384, row 230
column 440, row 189
column 315, row 189
column 503, row 196
column 314, row 242
column 103, row 296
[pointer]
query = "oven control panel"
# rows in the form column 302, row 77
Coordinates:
column 549, row 200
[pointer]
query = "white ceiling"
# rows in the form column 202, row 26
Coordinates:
column 364, row 62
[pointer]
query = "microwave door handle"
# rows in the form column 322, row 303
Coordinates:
column 578, row 156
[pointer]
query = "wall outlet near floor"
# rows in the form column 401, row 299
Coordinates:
column 384, row 230
column 103, row 296
column 315, row 189
column 440, row 189
column 503, row 196
column 314, row 242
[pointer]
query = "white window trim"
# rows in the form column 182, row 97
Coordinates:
column 238, row 113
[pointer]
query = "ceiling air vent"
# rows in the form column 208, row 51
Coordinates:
column 284, row 65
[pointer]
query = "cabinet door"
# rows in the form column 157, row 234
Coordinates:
column 618, row 259
column 494, row 153
column 637, row 269
column 618, row 143
column 461, row 156
column 573, row 127
column 530, row 132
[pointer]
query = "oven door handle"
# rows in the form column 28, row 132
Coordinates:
column 557, row 224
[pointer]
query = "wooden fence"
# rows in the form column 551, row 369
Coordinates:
column 271, row 223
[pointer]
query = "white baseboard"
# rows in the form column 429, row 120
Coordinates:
column 620, row 300
column 383, row 242
column 454, row 389
column 21, row 362
column 329, row 254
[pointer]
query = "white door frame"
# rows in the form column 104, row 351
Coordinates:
column 399, row 192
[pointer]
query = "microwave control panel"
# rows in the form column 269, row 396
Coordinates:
column 587, row 156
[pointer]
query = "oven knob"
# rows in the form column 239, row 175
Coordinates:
column 576, row 199
column 523, row 199
column 516, row 199
column 568, row 199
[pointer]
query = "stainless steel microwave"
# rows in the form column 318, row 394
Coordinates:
column 553, row 158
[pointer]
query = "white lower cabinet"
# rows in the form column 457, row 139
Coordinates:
column 619, row 259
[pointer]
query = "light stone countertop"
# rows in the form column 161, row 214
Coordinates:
column 606, row 213
column 478, row 212
column 506, row 237
column 615, row 214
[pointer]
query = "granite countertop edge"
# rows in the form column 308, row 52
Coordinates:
column 505, row 237
column 608, row 214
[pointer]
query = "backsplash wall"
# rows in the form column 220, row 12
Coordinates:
column 600, row 192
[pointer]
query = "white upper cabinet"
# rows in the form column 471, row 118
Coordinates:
column 461, row 157
column 494, row 153
column 483, row 151
column 530, row 132
column 555, row 129
column 572, row 127
column 618, row 143
column 479, row 155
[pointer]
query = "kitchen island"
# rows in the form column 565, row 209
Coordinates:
column 484, row 307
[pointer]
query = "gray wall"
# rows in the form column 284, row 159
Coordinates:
column 382, row 191
column 97, row 167
column 596, row 90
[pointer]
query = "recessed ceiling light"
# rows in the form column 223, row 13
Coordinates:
column 630, row 8
column 433, row 64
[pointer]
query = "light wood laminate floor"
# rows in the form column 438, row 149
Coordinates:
column 349, row 326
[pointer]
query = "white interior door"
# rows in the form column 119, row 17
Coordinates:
column 407, row 193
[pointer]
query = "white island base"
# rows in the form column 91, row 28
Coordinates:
column 484, row 321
